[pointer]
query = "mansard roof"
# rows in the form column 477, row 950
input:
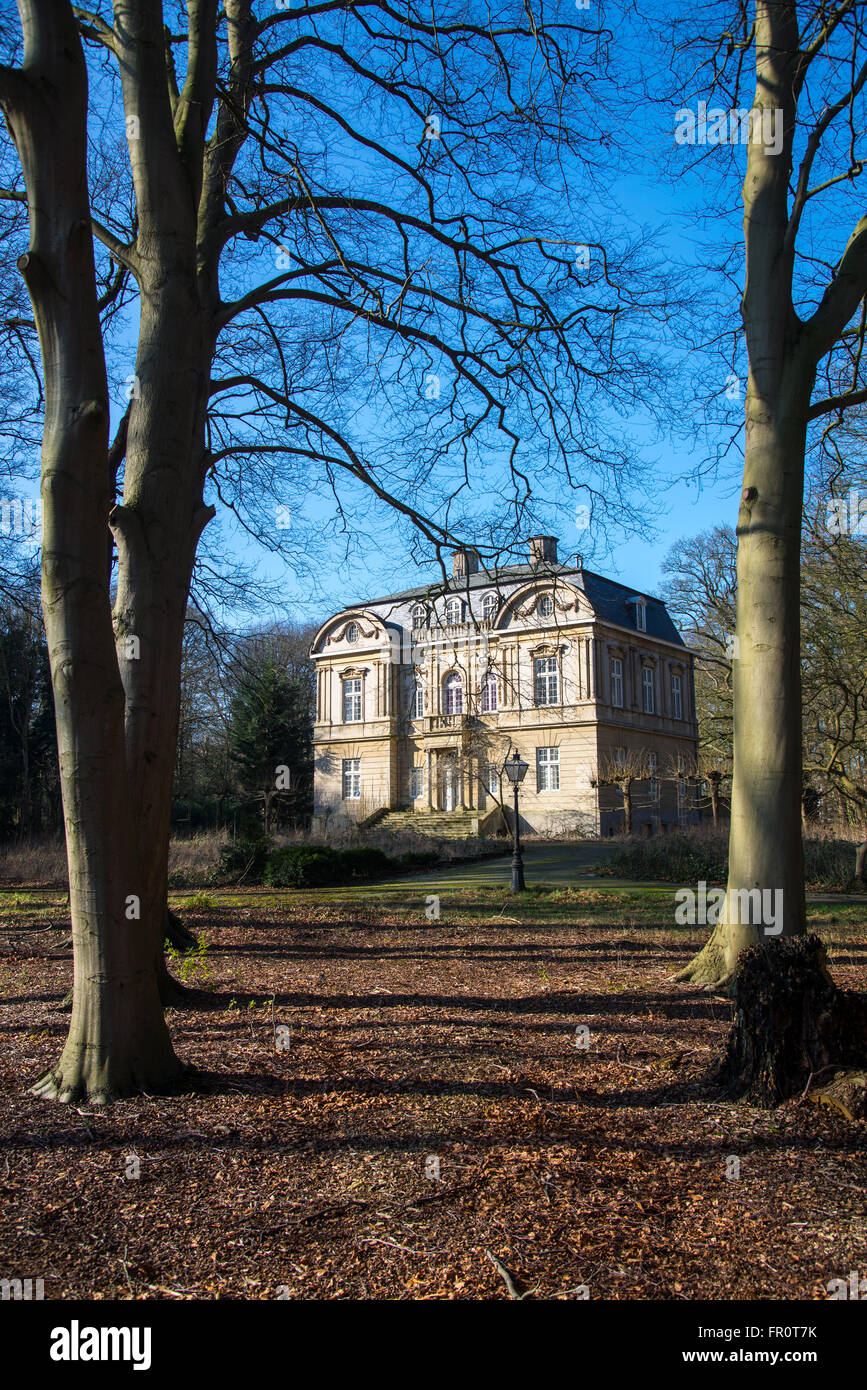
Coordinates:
column 609, row 600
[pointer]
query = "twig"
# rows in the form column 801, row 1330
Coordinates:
column 832, row 1066
column 507, row 1278
column 396, row 1245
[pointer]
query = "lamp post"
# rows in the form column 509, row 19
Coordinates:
column 516, row 770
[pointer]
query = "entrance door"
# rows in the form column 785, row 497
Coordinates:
column 449, row 786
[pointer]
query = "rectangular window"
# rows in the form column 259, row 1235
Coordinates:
column 620, row 756
column 547, row 769
column 489, row 695
column 547, row 681
column 416, row 782
column 677, row 696
column 351, row 779
column 416, row 703
column 352, row 702
column 654, row 779
column 681, row 800
column 641, row 617
column 617, row 682
column 492, row 779
column 647, row 683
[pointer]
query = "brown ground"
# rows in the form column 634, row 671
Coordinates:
column 303, row 1172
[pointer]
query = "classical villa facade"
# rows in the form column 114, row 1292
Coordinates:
column 421, row 696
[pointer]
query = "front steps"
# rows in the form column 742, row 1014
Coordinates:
column 442, row 825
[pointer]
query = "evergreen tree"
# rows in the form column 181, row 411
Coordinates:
column 271, row 743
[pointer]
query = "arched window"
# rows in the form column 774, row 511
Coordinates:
column 489, row 694
column 454, row 612
column 416, row 702
column 418, row 615
column 489, row 607
column 546, row 606
column 453, row 691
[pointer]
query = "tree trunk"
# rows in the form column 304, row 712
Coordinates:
column 714, row 801
column 765, row 844
column 791, row 1023
column 118, row 1041
column 626, row 789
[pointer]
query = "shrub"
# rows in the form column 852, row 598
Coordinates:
column 418, row 859
column 303, row 866
column 673, row 858
column 830, row 864
column 245, row 857
column 703, row 855
column 364, row 862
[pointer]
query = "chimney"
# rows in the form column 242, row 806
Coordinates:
column 464, row 561
column 543, row 549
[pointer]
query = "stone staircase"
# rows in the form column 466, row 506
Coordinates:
column 444, row 825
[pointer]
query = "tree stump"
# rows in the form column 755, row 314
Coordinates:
column 791, row 1023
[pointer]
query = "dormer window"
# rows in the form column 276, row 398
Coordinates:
column 489, row 608
column 640, row 613
column 352, row 632
column 418, row 615
column 454, row 612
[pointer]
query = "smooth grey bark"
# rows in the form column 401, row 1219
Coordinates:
column 118, row 1040
column 765, row 843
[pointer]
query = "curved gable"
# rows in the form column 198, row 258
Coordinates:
column 570, row 604
column 331, row 637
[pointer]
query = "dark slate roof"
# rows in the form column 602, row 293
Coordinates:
column 608, row 599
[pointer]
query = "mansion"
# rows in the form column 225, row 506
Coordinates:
column 420, row 697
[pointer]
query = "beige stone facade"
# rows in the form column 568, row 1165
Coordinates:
column 421, row 696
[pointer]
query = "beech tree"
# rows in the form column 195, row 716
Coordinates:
column 355, row 253
column 803, row 321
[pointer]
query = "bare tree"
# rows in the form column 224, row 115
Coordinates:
column 810, row 67
column 624, row 769
column 341, row 231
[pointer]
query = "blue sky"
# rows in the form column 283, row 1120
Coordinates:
column 687, row 199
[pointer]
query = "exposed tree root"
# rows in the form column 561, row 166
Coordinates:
column 791, row 1023
column 177, row 935
column 716, row 964
column 173, row 995
column 68, row 1083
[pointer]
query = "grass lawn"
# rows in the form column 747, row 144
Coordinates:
column 427, row 1104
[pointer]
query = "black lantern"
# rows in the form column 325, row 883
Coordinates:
column 516, row 770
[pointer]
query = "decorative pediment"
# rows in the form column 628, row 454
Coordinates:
column 339, row 633
column 561, row 605
column 546, row 649
column 369, row 626
column 569, row 603
column 353, row 673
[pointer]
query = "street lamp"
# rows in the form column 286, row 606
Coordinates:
column 516, row 770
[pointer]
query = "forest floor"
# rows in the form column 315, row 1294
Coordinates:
column 381, row 1106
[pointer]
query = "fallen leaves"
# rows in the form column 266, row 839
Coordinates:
column 601, row 1169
